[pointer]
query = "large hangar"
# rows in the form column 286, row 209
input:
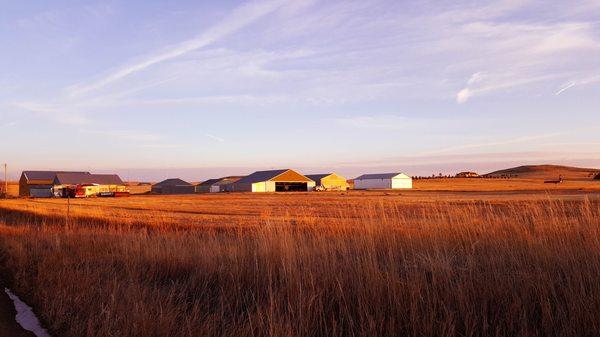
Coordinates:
column 284, row 180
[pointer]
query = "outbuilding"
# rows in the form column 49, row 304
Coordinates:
column 85, row 184
column 173, row 186
column 39, row 184
column 225, row 184
column 206, row 186
column 329, row 181
column 284, row 180
column 217, row 185
column 383, row 181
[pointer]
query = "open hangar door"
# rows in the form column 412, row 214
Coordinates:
column 291, row 186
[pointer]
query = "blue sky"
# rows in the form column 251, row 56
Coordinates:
column 200, row 88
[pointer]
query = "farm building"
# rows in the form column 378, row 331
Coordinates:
column 285, row 180
column 206, row 186
column 217, row 185
column 225, row 184
column 329, row 181
column 47, row 184
column 39, row 184
column 173, row 186
column 383, row 181
column 87, row 185
column 467, row 175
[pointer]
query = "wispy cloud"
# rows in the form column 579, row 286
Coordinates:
column 497, row 82
column 238, row 19
column 8, row 124
column 564, row 87
column 215, row 138
column 584, row 81
column 53, row 111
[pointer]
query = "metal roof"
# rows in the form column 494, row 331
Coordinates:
column 317, row 177
column 378, row 176
column 76, row 178
column 209, row 182
column 259, row 176
column 228, row 180
column 46, row 175
column 173, row 182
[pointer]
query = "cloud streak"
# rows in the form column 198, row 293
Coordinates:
column 215, row 138
column 238, row 19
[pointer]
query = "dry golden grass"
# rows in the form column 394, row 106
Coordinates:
column 139, row 189
column 13, row 188
column 322, row 264
column 501, row 184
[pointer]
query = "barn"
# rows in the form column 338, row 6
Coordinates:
column 173, row 186
column 39, row 184
column 329, row 181
column 383, row 181
column 284, row 180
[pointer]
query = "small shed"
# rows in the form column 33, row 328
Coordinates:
column 284, row 180
column 173, row 186
column 329, row 181
column 383, row 181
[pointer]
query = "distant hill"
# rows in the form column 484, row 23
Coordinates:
column 546, row 172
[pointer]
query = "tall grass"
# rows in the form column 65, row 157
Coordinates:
column 373, row 269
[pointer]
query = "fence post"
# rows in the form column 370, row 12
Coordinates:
column 68, row 209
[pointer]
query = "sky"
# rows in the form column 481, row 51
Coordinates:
column 153, row 89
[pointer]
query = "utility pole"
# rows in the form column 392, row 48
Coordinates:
column 5, row 181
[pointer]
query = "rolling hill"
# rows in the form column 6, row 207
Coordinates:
column 546, row 172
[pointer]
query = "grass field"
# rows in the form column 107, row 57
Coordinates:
column 472, row 260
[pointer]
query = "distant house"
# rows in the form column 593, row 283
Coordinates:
column 39, row 184
column 329, row 181
column 383, row 181
column 284, row 180
column 467, row 175
column 173, row 186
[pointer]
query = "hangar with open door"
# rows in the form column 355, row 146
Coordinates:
column 284, row 180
